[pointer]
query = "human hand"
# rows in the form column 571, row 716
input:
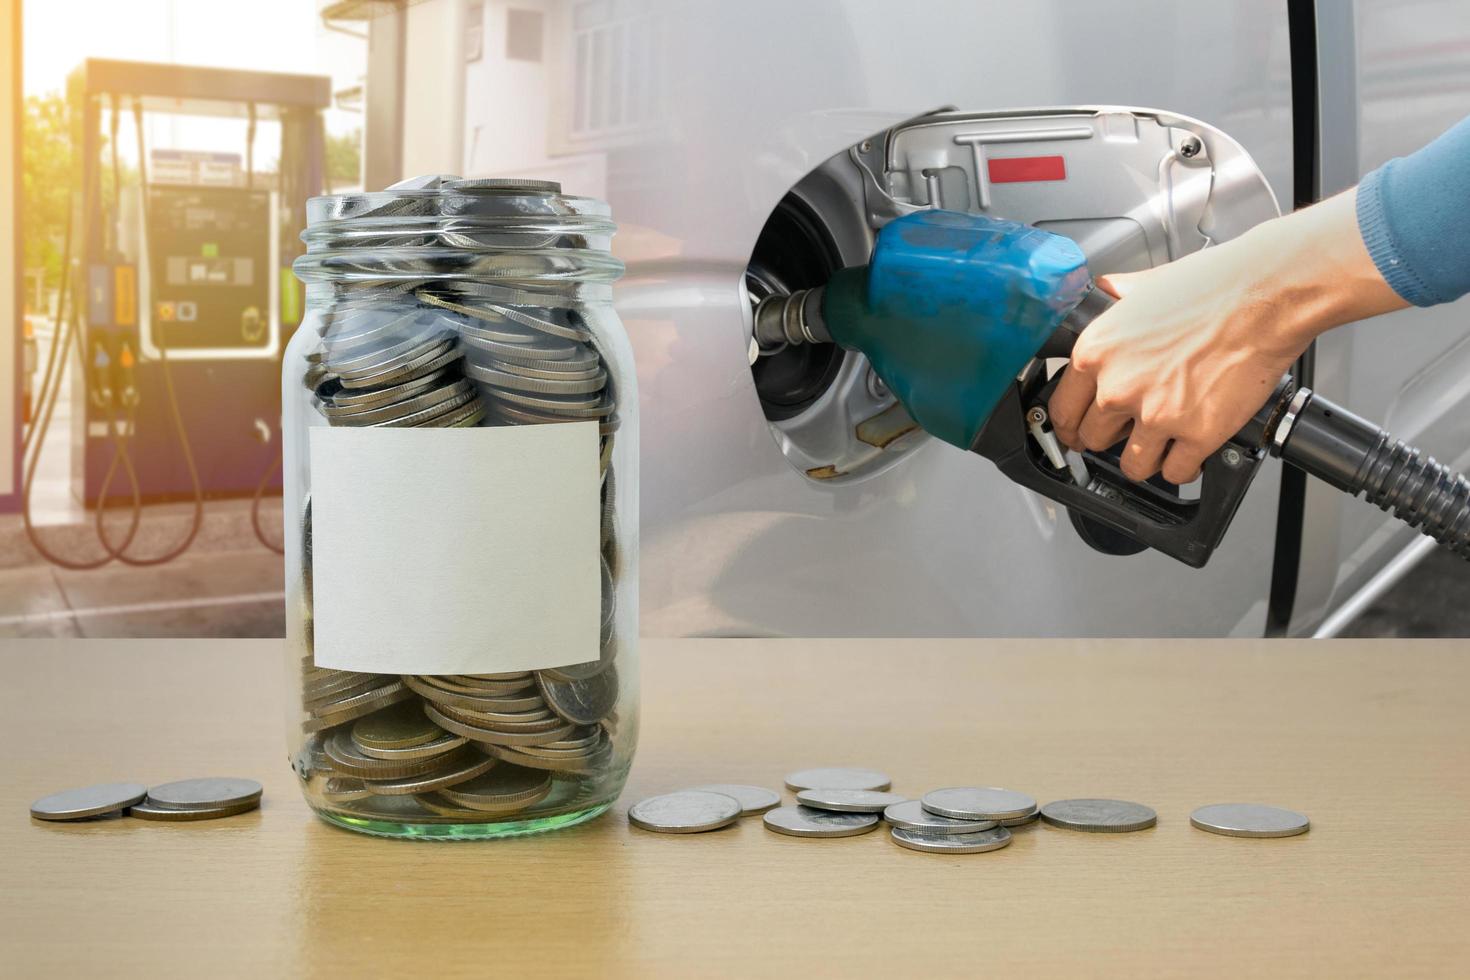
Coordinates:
column 1194, row 348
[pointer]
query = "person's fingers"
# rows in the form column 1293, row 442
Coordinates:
column 1101, row 428
column 1144, row 454
column 1183, row 462
column 1069, row 403
column 1118, row 284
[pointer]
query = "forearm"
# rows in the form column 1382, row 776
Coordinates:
column 1317, row 272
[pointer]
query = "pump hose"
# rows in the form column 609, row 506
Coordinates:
column 64, row 331
column 1357, row 457
column 265, row 478
column 176, row 415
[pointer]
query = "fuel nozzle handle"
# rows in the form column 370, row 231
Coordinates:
column 1334, row 445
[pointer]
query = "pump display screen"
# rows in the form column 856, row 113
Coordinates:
column 209, row 252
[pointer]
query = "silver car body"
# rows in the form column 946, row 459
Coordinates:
column 696, row 119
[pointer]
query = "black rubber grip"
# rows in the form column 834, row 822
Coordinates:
column 1356, row 456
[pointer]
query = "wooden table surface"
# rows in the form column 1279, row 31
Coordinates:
column 1369, row 738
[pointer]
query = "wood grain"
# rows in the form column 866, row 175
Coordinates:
column 1370, row 738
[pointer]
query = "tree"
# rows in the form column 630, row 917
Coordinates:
column 46, row 155
column 344, row 159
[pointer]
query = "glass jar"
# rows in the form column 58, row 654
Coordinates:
column 461, row 468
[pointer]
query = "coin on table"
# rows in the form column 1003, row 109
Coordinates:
column 1099, row 816
column 1249, row 820
column 803, row 821
column 148, row 810
column 911, row 815
column 976, row 843
column 88, row 801
column 837, row 778
column 753, row 799
column 978, row 803
column 686, row 812
column 209, row 792
column 849, row 800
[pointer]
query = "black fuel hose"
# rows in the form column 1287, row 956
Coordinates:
column 1357, row 457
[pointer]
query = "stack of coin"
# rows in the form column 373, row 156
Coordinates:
column 452, row 305
column 187, row 800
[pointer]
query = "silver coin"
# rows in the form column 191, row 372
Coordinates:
column 437, row 804
column 534, row 723
column 849, row 800
column 584, row 365
column 912, row 816
column 464, row 399
column 490, row 736
column 976, row 843
column 465, row 417
column 1022, row 820
column 504, row 380
column 803, row 821
column 148, row 810
column 458, row 769
column 207, row 793
column 978, row 803
column 545, row 322
column 686, row 812
column 837, row 778
column 443, row 745
column 363, row 398
column 401, row 400
column 504, row 789
column 590, row 406
column 582, row 702
column 752, row 799
column 519, row 757
column 1099, row 816
column 347, row 757
column 378, row 360
column 487, row 184
column 88, row 801
column 474, row 702
column 340, row 789
column 435, row 355
column 355, row 707
column 1249, row 820
column 536, row 352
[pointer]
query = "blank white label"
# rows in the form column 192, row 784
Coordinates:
column 455, row 551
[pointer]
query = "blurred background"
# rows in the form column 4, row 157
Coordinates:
column 159, row 154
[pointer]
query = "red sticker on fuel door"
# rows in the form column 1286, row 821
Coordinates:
column 1019, row 170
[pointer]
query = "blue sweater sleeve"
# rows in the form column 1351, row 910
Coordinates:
column 1414, row 215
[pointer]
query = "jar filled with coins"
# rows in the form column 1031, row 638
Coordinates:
column 461, row 473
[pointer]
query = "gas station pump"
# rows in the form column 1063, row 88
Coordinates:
column 186, row 298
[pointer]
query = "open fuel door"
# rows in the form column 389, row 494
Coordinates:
column 1133, row 187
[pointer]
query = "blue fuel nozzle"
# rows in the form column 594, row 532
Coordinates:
column 951, row 307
